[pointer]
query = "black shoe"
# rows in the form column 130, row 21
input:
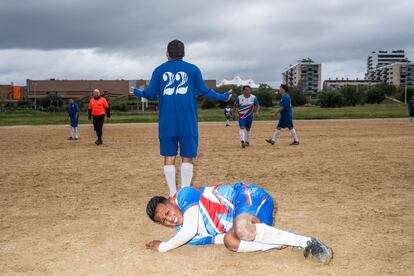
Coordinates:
column 270, row 141
column 247, row 144
column 319, row 250
column 243, row 145
column 97, row 142
column 294, row 143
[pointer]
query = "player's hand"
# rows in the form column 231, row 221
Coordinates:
column 131, row 90
column 256, row 114
column 108, row 119
column 230, row 94
column 154, row 245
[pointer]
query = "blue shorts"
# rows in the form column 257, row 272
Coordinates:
column 74, row 122
column 188, row 146
column 285, row 123
column 256, row 201
column 246, row 123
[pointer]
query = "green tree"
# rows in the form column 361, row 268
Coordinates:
column 297, row 96
column 352, row 95
column 331, row 99
column 266, row 95
column 375, row 95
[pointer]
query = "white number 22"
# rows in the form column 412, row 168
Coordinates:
column 175, row 83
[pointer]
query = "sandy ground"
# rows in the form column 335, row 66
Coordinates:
column 72, row 208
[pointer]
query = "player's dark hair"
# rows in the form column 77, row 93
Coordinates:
column 152, row 206
column 246, row 86
column 285, row 87
column 175, row 49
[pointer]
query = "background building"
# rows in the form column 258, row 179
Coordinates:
column 239, row 82
column 82, row 89
column 305, row 75
column 337, row 84
column 400, row 74
column 383, row 58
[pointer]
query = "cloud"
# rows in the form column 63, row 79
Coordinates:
column 254, row 39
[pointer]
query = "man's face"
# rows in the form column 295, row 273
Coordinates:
column 70, row 101
column 96, row 93
column 247, row 91
column 281, row 91
column 168, row 214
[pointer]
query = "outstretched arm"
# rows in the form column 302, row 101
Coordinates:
column 204, row 91
column 151, row 91
column 187, row 232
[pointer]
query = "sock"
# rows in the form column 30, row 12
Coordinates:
column 169, row 172
column 251, row 246
column 247, row 135
column 276, row 135
column 242, row 135
column 186, row 174
column 76, row 132
column 294, row 135
column 270, row 235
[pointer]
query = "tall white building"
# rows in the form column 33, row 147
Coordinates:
column 382, row 58
column 239, row 82
column 305, row 75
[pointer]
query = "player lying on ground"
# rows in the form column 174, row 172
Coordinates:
column 240, row 216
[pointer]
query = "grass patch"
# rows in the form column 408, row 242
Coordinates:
column 384, row 110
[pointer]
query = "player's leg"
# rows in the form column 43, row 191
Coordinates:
column 72, row 135
column 246, row 229
column 253, row 222
column 188, row 151
column 275, row 135
column 411, row 120
column 242, row 125
column 233, row 243
column 294, row 135
column 99, row 126
column 248, row 131
column 76, row 133
column 95, row 121
column 168, row 149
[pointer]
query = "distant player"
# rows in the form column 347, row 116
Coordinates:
column 177, row 84
column 73, row 114
column 240, row 216
column 98, row 106
column 286, row 117
column 411, row 110
column 227, row 113
column 247, row 105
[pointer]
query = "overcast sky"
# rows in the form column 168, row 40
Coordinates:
column 108, row 39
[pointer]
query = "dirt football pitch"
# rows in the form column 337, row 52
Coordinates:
column 73, row 208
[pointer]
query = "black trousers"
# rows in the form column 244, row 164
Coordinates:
column 98, row 122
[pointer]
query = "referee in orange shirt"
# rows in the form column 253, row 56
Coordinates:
column 98, row 106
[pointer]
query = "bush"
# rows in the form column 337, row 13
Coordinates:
column 331, row 99
column 265, row 95
column 352, row 95
column 375, row 95
column 207, row 104
column 297, row 96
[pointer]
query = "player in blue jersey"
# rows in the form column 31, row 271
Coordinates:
column 246, row 103
column 411, row 110
column 73, row 114
column 240, row 216
column 286, row 118
column 177, row 84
